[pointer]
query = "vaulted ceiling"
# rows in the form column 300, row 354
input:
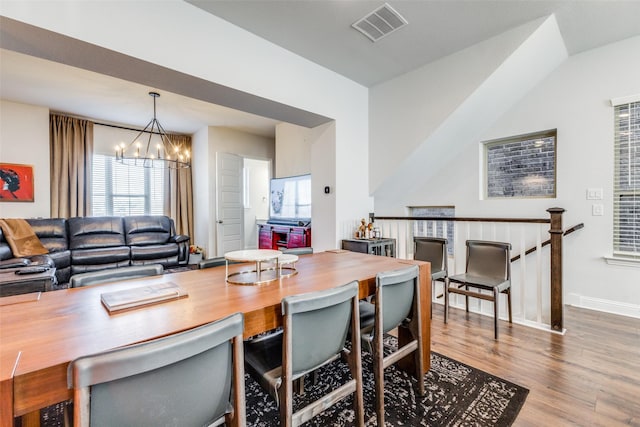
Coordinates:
column 321, row 32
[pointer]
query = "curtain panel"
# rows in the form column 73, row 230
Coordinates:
column 71, row 148
column 180, row 191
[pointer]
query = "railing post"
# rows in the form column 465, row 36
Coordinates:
column 556, row 268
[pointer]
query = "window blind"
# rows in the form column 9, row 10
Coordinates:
column 626, row 192
column 124, row 190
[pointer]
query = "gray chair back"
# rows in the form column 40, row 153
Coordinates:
column 183, row 379
column 397, row 289
column 319, row 324
column 314, row 332
column 114, row 275
column 211, row 262
column 434, row 251
column 298, row 251
column 397, row 305
column 488, row 259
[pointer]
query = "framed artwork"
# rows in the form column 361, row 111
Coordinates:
column 16, row 183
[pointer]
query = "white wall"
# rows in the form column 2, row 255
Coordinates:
column 219, row 140
column 293, row 148
column 215, row 50
column 257, row 174
column 428, row 116
column 302, row 150
column 575, row 100
column 24, row 139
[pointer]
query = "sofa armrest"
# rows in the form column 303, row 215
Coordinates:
column 183, row 247
column 179, row 238
column 14, row 263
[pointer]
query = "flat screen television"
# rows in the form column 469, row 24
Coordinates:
column 290, row 199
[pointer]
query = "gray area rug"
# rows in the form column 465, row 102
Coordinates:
column 455, row 395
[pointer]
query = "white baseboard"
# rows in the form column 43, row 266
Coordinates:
column 608, row 306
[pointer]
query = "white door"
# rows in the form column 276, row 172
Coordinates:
column 229, row 212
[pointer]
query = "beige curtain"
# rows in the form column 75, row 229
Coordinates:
column 71, row 148
column 181, row 192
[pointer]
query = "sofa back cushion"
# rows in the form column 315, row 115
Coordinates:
column 147, row 230
column 52, row 232
column 95, row 232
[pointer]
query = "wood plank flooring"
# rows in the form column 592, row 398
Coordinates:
column 588, row 377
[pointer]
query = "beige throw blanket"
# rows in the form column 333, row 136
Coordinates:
column 21, row 238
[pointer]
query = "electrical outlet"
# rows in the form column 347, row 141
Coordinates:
column 597, row 209
column 594, row 193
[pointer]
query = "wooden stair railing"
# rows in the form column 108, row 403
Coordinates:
column 556, row 234
column 548, row 241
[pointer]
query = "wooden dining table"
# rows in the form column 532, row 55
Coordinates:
column 39, row 337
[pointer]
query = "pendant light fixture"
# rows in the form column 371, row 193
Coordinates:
column 154, row 151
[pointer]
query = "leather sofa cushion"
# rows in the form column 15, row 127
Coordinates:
column 168, row 250
column 147, row 230
column 93, row 256
column 75, row 269
column 95, row 232
column 52, row 232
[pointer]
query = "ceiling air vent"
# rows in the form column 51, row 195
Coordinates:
column 379, row 23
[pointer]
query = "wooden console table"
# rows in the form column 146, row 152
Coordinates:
column 382, row 246
column 15, row 284
column 278, row 236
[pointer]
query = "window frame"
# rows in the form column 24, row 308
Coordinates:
column 626, row 136
column 417, row 231
column 545, row 134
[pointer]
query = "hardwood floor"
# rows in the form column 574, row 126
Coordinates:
column 588, row 377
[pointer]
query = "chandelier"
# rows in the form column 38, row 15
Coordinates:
column 156, row 151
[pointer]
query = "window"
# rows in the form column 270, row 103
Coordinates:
column 521, row 166
column 432, row 228
column 626, row 191
column 123, row 190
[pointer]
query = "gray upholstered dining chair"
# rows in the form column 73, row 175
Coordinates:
column 185, row 379
column 433, row 250
column 397, row 305
column 488, row 268
column 298, row 251
column 211, row 262
column 114, row 274
column 314, row 333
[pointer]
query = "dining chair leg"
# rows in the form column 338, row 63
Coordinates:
column 446, row 300
column 466, row 299
column 509, row 304
column 433, row 291
column 378, row 376
column 417, row 360
column 496, row 294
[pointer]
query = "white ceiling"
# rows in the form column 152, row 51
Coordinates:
column 321, row 32
column 66, row 89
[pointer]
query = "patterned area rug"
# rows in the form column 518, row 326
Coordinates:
column 455, row 395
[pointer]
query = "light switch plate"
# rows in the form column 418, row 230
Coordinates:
column 597, row 209
column 594, row 193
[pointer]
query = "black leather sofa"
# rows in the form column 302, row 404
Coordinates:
column 84, row 244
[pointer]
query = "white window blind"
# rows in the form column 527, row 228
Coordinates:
column 123, row 190
column 626, row 197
